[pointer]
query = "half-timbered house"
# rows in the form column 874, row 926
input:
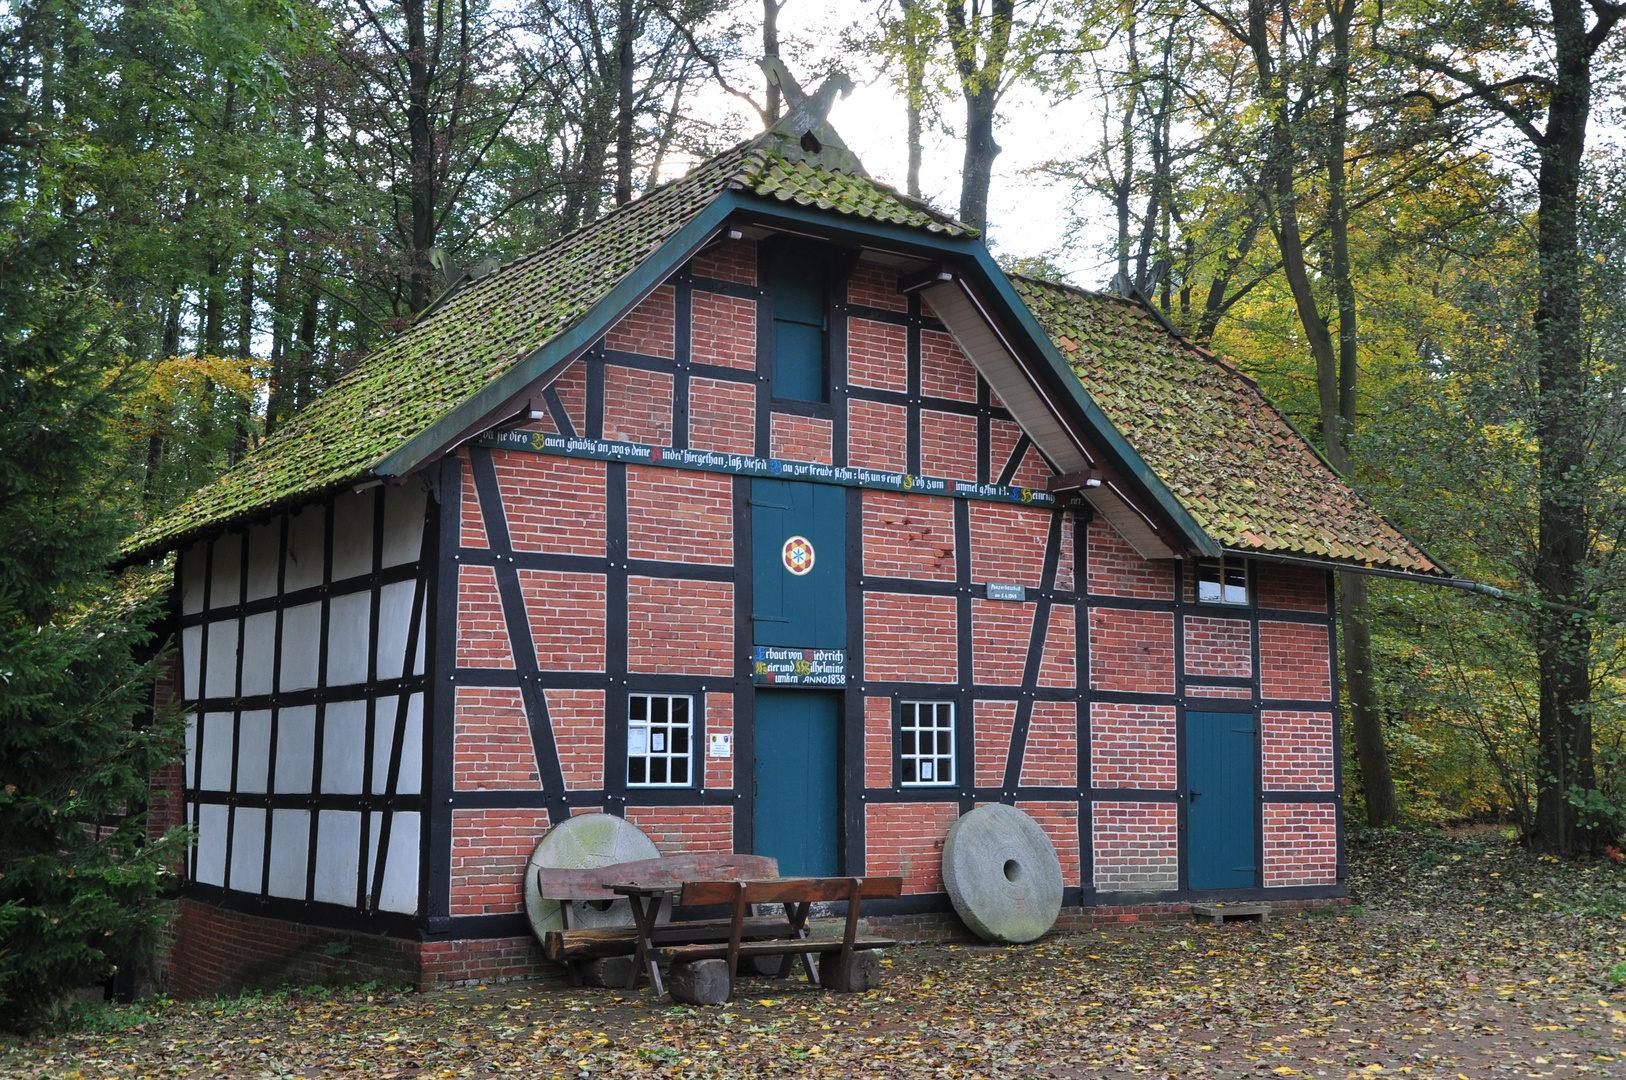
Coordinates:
column 768, row 513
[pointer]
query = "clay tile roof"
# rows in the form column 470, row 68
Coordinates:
column 1239, row 468
column 400, row 389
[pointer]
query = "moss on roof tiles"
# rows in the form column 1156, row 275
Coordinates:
column 1234, row 462
column 411, row 381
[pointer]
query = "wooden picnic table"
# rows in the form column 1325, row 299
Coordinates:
column 785, row 938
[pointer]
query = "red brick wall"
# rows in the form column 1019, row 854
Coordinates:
column 1297, row 750
column 875, row 435
column 873, row 285
column 649, row 327
column 637, row 405
column 679, row 830
column 577, row 717
column 1135, row 846
column 1051, row 757
column 991, row 727
column 1003, row 436
column 679, row 627
column 944, row 370
column 730, row 260
column 482, row 635
column 1132, row 650
column 492, row 741
column 1132, row 746
column 908, row 536
column 489, row 849
column 723, row 330
column 1007, row 543
column 473, row 523
column 906, row 839
column 567, row 619
column 571, row 386
column 1292, row 588
column 1060, row 664
column 722, row 416
column 1219, row 691
column 877, row 742
column 553, row 504
column 480, row 960
column 876, row 355
column 1221, row 647
column 909, row 638
column 1294, row 661
column 679, row 516
column 1000, row 632
column 1032, row 472
column 719, row 721
column 1059, row 820
column 799, row 438
column 948, row 445
column 1116, row 569
column 1301, row 844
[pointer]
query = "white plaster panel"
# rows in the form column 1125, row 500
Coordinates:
column 338, row 848
column 301, row 646
column 296, row 749
column 304, row 549
column 404, row 509
column 211, row 849
column 226, row 581
column 191, row 646
column 214, row 772
column 394, row 620
column 247, row 849
column 253, row 750
column 259, row 652
column 290, row 852
column 192, row 750
column 347, row 638
column 220, row 678
column 190, row 576
column 410, row 779
column 353, row 534
column 400, row 891
column 344, row 747
column 264, row 559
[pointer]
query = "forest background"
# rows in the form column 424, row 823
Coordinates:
column 1406, row 220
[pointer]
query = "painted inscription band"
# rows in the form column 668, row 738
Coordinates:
column 537, row 442
column 775, row 666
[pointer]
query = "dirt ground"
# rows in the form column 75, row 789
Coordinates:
column 1466, row 958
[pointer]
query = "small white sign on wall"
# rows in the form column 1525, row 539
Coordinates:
column 720, row 746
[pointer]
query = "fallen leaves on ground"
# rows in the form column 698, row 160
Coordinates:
column 1468, row 959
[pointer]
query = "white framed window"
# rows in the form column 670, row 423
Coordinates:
column 926, row 743
column 660, row 740
column 1222, row 582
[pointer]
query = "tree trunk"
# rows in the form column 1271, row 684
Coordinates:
column 420, row 155
column 626, row 35
column 980, row 85
column 914, row 89
column 1564, row 766
column 1365, row 718
column 770, row 51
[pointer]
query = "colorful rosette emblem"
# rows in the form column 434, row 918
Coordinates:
column 798, row 555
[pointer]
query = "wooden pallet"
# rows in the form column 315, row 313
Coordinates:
column 1224, row 913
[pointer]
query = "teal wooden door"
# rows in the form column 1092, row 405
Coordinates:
column 1222, row 804
column 795, row 817
column 794, row 524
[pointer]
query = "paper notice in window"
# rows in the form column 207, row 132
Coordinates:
column 657, row 742
column 637, row 740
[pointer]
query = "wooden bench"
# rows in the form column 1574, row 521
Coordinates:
column 574, row 944
column 797, row 895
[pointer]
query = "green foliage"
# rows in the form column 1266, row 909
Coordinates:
column 78, row 876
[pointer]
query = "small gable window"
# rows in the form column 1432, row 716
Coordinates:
column 1222, row 582
column 800, row 325
column 927, row 743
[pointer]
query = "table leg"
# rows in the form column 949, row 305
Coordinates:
column 644, row 956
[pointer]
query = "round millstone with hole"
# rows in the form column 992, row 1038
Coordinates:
column 582, row 843
column 1002, row 874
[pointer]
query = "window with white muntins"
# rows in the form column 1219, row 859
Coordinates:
column 660, row 729
column 926, row 744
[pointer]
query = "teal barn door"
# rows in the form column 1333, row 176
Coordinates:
column 1222, row 804
column 795, row 817
column 799, row 522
